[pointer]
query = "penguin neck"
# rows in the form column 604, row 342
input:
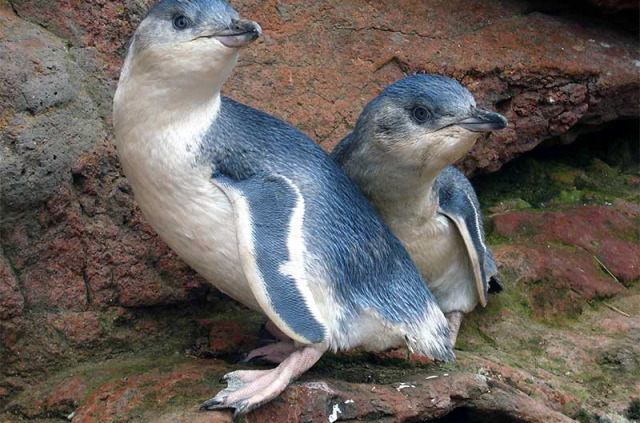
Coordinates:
column 150, row 100
column 399, row 194
column 402, row 198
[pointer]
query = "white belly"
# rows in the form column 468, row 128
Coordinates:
column 439, row 252
column 193, row 217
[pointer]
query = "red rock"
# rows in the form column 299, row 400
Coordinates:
column 419, row 399
column 56, row 282
column 355, row 48
column 66, row 397
column 557, row 280
column 230, row 338
column 9, row 334
column 116, row 398
column 602, row 231
column 523, row 381
column 81, row 329
column 403, row 355
column 11, row 299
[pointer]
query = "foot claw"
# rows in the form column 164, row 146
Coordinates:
column 214, row 403
column 240, row 409
column 248, row 389
column 256, row 359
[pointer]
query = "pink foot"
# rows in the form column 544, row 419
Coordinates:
column 248, row 389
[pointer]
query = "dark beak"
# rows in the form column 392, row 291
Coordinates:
column 483, row 121
column 240, row 34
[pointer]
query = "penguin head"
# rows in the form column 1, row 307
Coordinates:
column 196, row 40
column 424, row 122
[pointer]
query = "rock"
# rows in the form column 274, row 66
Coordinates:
column 11, row 299
column 608, row 233
column 357, row 48
column 420, row 399
column 82, row 329
column 559, row 280
column 612, row 6
column 152, row 394
column 48, row 118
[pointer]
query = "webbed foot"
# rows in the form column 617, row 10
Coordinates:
column 248, row 389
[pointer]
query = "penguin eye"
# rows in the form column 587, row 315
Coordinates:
column 420, row 114
column 181, row 22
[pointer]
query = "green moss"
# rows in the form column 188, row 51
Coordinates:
column 584, row 416
column 544, row 182
column 485, row 337
column 569, row 196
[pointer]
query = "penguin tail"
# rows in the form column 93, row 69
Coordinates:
column 429, row 336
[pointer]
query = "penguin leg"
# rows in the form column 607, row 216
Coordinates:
column 272, row 353
column 273, row 330
column 455, row 319
column 247, row 390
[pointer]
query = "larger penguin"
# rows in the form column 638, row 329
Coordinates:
column 400, row 155
column 256, row 207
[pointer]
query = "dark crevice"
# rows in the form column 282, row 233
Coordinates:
column 600, row 164
column 13, row 8
column 616, row 143
column 393, row 61
column 85, row 279
column 584, row 13
column 475, row 415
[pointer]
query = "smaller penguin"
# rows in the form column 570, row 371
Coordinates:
column 400, row 156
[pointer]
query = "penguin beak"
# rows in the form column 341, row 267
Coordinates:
column 483, row 121
column 240, row 34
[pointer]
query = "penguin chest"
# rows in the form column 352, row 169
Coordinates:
column 192, row 215
column 439, row 252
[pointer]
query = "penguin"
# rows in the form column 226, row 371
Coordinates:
column 256, row 207
column 400, row 155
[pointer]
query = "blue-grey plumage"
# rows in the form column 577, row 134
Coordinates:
column 256, row 207
column 457, row 197
column 400, row 156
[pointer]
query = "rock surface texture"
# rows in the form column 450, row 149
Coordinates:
column 100, row 321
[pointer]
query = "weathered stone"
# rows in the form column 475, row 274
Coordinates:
column 422, row 397
column 325, row 72
column 11, row 299
column 48, row 119
column 608, row 233
column 559, row 280
column 82, row 329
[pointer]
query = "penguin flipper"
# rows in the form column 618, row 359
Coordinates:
column 474, row 251
column 458, row 201
column 269, row 215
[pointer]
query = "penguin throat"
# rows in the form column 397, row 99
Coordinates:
column 170, row 92
column 404, row 199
